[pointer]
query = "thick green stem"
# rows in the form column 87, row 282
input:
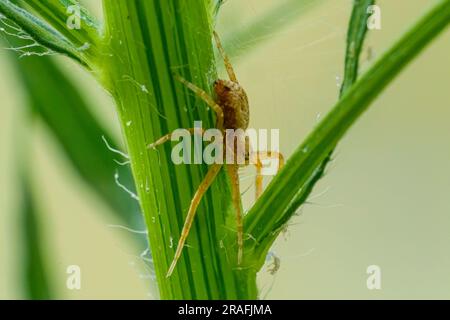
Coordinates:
column 149, row 41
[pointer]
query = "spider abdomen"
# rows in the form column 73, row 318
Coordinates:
column 231, row 97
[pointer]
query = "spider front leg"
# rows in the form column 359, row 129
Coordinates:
column 265, row 155
column 226, row 59
column 206, row 98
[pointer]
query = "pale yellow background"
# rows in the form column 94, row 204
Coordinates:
column 384, row 200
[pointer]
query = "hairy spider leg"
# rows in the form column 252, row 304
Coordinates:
column 226, row 59
column 167, row 137
column 206, row 183
column 206, row 98
column 203, row 187
column 265, row 155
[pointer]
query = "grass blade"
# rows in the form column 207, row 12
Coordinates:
column 57, row 14
column 357, row 31
column 43, row 33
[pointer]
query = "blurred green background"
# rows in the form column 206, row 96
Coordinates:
column 384, row 200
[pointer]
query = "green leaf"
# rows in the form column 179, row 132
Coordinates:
column 57, row 13
column 309, row 156
column 45, row 34
column 357, row 30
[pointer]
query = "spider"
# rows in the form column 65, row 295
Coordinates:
column 232, row 112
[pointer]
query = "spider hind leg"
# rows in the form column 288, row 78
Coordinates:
column 236, row 197
column 265, row 155
column 203, row 187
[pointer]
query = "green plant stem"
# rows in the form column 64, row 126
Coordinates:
column 149, row 41
column 306, row 160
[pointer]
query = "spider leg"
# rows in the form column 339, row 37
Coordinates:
column 167, row 137
column 258, row 179
column 225, row 58
column 206, row 183
column 206, row 98
column 236, row 195
column 265, row 155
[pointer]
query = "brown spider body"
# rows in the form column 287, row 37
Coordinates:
column 231, row 97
